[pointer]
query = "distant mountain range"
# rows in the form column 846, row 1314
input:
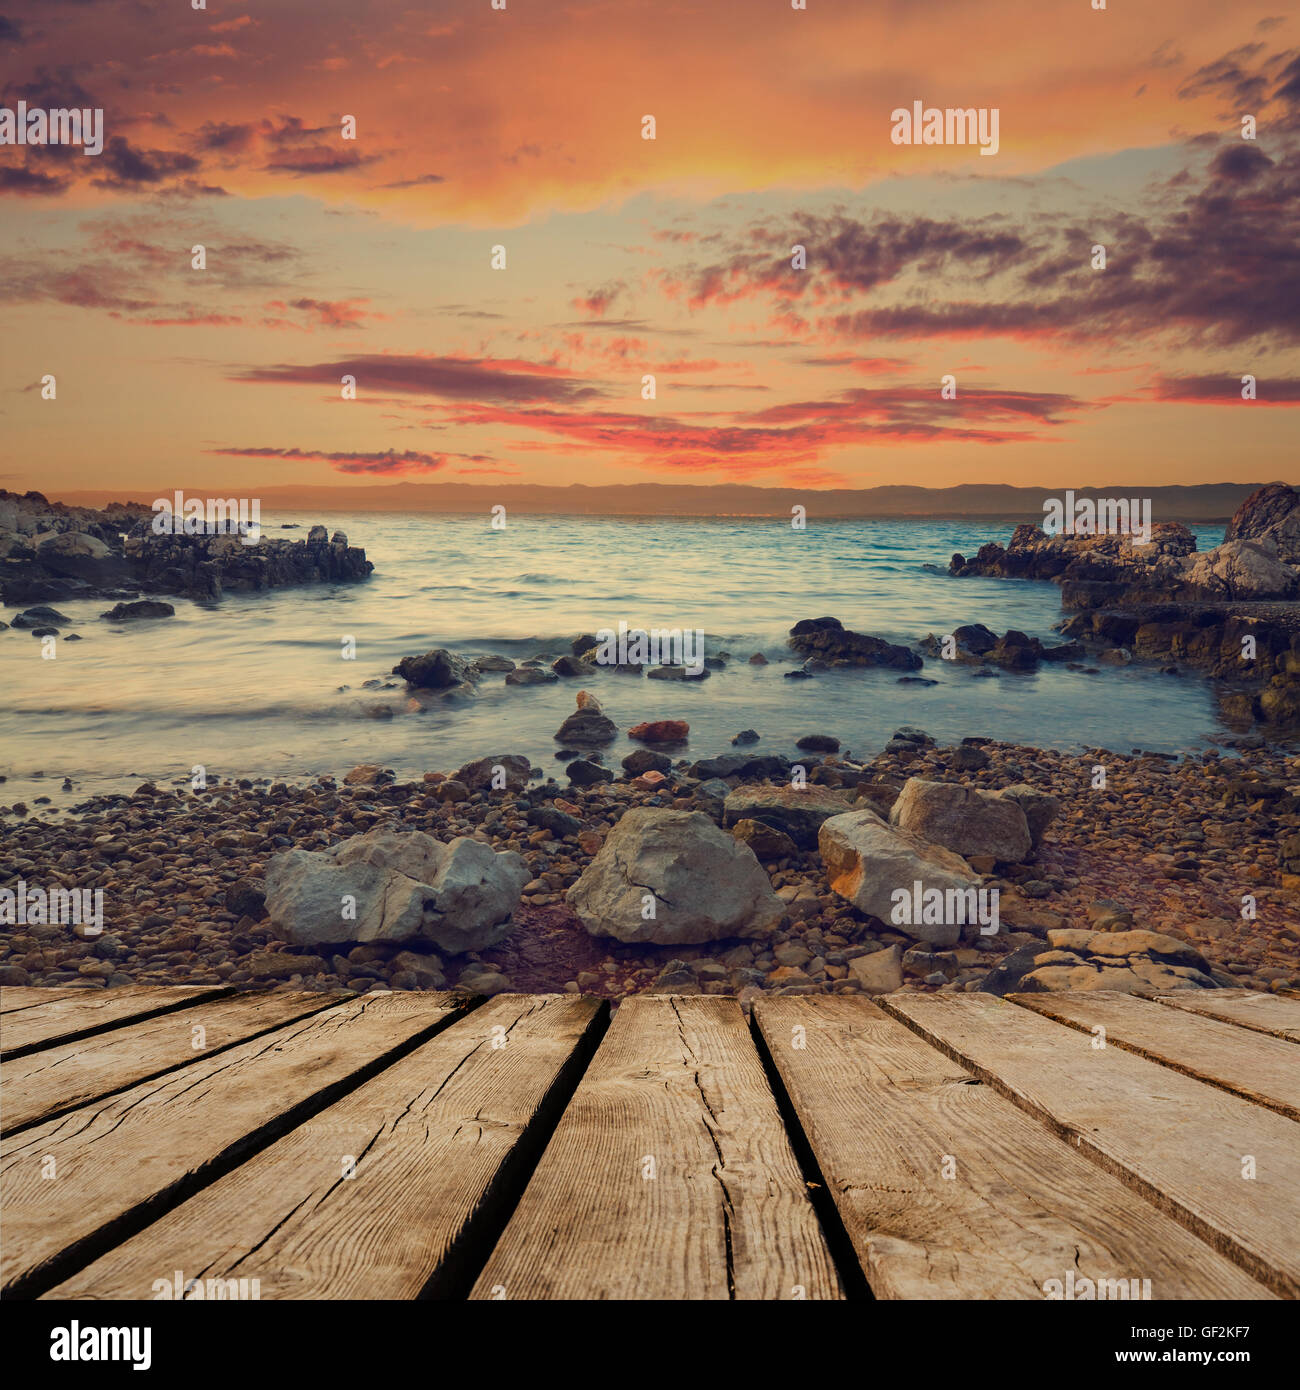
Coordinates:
column 1205, row 502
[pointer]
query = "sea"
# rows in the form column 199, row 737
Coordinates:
column 294, row 683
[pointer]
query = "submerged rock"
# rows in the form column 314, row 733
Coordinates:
column 829, row 640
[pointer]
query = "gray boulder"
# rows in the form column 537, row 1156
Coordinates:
column 798, row 812
column 963, row 819
column 406, row 886
column 699, row 883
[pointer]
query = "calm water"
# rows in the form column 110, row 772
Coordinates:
column 250, row 687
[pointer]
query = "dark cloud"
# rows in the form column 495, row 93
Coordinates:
column 383, row 462
column 451, row 378
column 129, row 167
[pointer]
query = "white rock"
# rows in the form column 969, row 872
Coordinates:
column 407, row 886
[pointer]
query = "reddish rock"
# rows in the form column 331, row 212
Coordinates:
column 661, row 731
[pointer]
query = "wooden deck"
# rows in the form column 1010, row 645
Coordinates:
column 404, row 1145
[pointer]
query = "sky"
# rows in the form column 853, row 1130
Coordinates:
column 518, row 133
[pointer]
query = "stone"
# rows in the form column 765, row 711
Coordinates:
column 798, row 812
column 963, row 819
column 586, row 774
column 365, row 775
column 480, row 978
column 277, row 965
column 819, row 743
column 586, row 728
column 435, row 670
column 878, row 972
column 702, row 884
column 1040, row 808
column 426, row 970
column 1270, row 515
column 967, row 759
column 766, row 841
column 406, row 886
column 745, row 736
column 141, row 608
column 867, row 861
column 530, row 675
column 1244, row 570
column 828, row 640
column 660, row 731
column 643, row 760
column 508, row 771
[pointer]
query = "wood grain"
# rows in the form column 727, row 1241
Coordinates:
column 39, row 1085
column 1276, row 1014
column 121, row 1162
column 440, row 1144
column 15, row 997
column 1259, row 1067
column 1182, row 1144
column 85, row 1013
column 946, row 1189
column 669, row 1176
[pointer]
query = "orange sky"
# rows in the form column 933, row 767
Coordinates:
column 625, row 257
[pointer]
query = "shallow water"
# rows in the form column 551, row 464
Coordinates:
column 250, row 686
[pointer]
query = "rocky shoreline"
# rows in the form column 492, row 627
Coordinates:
column 1231, row 612
column 1139, row 885
column 50, row 552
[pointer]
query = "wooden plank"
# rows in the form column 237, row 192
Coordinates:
column 670, row 1175
column 65, row 1020
column 946, row 1189
column 442, row 1143
column 1276, row 1014
column 1183, row 1145
column 1254, row 1065
column 121, row 1162
column 15, row 997
column 42, row 1084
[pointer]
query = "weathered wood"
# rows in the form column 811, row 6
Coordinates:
column 1183, row 1145
column 121, row 1162
column 1249, row 1064
column 670, row 1175
column 440, row 1143
column 41, row 1084
column 1276, row 1014
column 86, row 1013
column 15, row 997
column 946, row 1189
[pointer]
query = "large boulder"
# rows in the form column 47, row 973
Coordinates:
column 867, row 862
column 1272, row 514
column 1244, row 569
column 963, row 819
column 797, row 811
column 699, row 883
column 406, row 886
column 1125, row 962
